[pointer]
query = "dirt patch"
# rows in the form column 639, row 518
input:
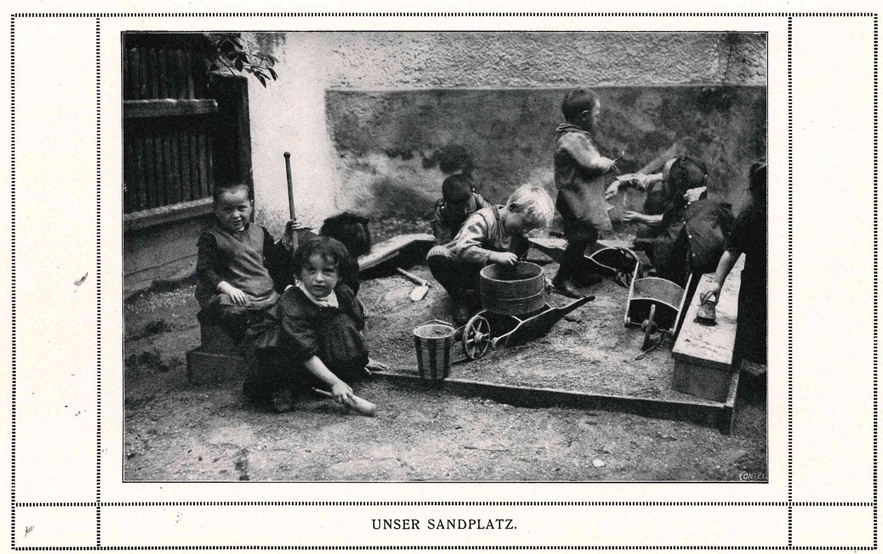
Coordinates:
column 589, row 350
column 177, row 432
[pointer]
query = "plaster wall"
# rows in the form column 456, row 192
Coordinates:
column 362, row 112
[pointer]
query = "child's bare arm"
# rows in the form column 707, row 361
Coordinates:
column 652, row 220
column 341, row 391
column 639, row 181
column 724, row 266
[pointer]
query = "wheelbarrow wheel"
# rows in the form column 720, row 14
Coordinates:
column 476, row 337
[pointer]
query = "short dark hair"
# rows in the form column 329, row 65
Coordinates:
column 350, row 229
column 457, row 188
column 685, row 174
column 227, row 187
column 576, row 102
column 331, row 250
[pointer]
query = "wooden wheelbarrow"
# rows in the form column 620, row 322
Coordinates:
column 655, row 305
column 515, row 309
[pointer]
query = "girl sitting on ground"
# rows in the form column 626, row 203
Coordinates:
column 313, row 336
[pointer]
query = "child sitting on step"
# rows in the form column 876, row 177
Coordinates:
column 239, row 266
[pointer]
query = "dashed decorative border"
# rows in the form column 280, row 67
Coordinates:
column 875, row 281
column 790, row 291
column 98, row 504
column 447, row 14
column 12, row 257
column 453, row 547
column 440, row 503
column 98, row 274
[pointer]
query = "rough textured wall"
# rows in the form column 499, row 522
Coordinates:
column 386, row 86
column 389, row 142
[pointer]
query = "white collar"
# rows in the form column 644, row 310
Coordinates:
column 329, row 301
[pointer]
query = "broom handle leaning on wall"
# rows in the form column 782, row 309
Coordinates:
column 292, row 214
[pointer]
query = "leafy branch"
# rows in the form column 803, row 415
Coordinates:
column 226, row 51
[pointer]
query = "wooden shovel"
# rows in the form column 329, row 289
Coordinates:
column 422, row 286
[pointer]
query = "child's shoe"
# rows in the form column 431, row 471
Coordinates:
column 588, row 279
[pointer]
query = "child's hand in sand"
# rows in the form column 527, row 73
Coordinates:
column 374, row 365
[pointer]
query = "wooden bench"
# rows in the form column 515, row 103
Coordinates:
column 217, row 359
column 390, row 248
column 703, row 353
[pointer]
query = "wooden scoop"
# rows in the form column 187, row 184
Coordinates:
column 422, row 286
column 357, row 404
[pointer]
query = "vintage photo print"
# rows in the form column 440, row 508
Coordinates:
column 479, row 280
column 487, row 330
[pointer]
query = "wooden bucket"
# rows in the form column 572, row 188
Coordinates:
column 434, row 343
column 513, row 290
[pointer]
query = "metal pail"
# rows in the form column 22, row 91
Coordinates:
column 434, row 343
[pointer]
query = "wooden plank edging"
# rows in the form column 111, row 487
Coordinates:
column 701, row 411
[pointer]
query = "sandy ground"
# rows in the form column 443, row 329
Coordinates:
column 179, row 432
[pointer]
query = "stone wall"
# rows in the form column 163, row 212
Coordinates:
column 364, row 113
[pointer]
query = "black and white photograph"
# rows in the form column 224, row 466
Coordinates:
column 445, row 256
column 456, row 276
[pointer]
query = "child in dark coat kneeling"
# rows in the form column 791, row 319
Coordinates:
column 313, row 336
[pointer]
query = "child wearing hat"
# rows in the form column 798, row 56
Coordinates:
column 459, row 200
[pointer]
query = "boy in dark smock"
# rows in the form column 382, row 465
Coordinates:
column 459, row 200
column 579, row 172
column 239, row 266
